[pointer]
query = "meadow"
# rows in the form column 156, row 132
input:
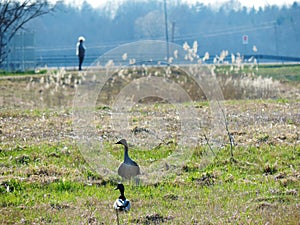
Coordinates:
column 46, row 179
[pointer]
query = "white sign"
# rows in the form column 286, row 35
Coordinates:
column 245, row 39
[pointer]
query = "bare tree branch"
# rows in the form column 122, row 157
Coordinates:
column 207, row 142
column 14, row 14
column 231, row 139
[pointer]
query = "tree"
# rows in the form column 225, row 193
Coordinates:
column 150, row 26
column 14, row 14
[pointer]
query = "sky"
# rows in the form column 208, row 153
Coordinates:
column 248, row 3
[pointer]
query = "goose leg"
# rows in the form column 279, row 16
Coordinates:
column 137, row 181
column 118, row 222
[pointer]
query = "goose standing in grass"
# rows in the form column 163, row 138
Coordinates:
column 128, row 168
column 121, row 204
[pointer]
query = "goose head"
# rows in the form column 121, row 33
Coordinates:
column 122, row 142
column 120, row 187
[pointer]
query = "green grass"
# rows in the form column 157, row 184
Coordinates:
column 44, row 178
column 282, row 72
column 55, row 185
column 21, row 73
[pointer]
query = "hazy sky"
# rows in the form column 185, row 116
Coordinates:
column 248, row 3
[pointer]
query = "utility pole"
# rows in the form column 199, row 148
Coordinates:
column 276, row 38
column 166, row 29
column 173, row 31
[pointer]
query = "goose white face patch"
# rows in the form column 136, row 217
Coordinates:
column 149, row 93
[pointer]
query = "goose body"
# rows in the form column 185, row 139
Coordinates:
column 128, row 168
column 121, row 204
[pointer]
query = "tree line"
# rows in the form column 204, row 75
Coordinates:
column 271, row 30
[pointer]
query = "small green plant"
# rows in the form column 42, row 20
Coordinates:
column 23, row 159
column 13, row 185
column 269, row 169
column 65, row 186
column 262, row 137
column 282, row 100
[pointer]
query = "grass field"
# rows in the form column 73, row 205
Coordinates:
column 46, row 179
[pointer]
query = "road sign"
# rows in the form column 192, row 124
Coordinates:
column 245, row 39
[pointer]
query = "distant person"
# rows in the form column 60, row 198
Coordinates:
column 80, row 51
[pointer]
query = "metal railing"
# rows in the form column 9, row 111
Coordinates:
column 72, row 61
